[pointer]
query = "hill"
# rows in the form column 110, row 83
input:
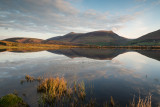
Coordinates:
column 96, row 38
column 61, row 43
column 152, row 38
column 41, row 46
column 24, row 40
column 102, row 38
column 40, row 41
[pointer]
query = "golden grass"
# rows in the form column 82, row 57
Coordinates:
column 55, row 87
column 31, row 46
column 146, row 102
column 81, row 90
column 56, row 92
column 29, row 78
column 112, row 102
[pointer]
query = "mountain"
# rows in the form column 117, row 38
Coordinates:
column 152, row 38
column 39, row 41
column 66, row 38
column 100, row 38
column 61, row 43
column 24, row 40
column 103, row 38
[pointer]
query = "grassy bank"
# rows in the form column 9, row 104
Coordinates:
column 131, row 47
column 48, row 46
column 25, row 46
column 14, row 45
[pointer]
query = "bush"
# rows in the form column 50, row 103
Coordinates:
column 12, row 100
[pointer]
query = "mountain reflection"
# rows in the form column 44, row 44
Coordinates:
column 104, row 54
column 92, row 53
column 154, row 54
column 101, row 54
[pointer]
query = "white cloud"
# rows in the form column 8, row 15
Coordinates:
column 56, row 16
column 141, row 0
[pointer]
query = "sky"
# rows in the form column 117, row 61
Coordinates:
column 49, row 18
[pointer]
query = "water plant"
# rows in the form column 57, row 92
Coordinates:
column 29, row 78
column 81, row 90
column 146, row 102
column 57, row 91
column 112, row 102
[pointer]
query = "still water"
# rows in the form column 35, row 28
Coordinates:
column 119, row 73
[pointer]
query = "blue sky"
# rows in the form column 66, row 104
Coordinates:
column 47, row 18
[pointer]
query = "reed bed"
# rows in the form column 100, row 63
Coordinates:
column 57, row 93
column 146, row 102
column 29, row 78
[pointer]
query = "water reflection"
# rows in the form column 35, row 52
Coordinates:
column 104, row 54
column 155, row 54
column 117, row 73
column 3, row 50
column 101, row 54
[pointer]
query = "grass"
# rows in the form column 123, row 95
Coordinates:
column 55, row 87
column 13, row 46
column 12, row 100
column 146, row 102
column 57, row 92
column 29, row 78
column 30, row 46
column 81, row 90
column 112, row 102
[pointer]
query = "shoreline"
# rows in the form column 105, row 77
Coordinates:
column 68, row 47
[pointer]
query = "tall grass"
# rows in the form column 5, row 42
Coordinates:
column 57, row 92
column 146, row 102
column 55, row 87
column 29, row 78
column 81, row 90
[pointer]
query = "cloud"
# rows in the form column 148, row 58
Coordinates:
column 56, row 16
column 141, row 0
column 156, row 2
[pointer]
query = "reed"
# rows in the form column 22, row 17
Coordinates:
column 81, row 90
column 29, row 78
column 146, row 102
column 56, row 92
column 112, row 102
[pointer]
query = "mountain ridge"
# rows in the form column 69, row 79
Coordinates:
column 152, row 38
column 98, row 38
column 101, row 37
